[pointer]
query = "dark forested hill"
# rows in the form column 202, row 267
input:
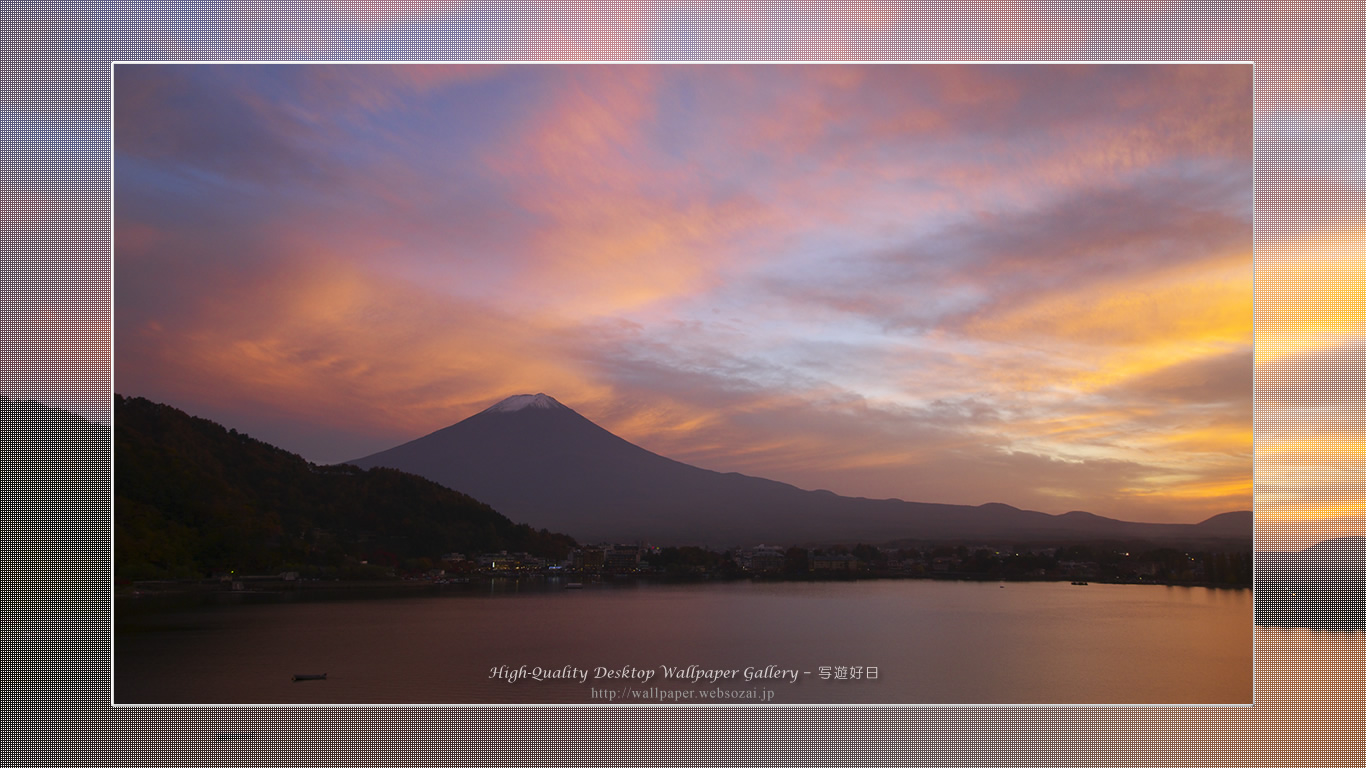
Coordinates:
column 192, row 497
column 55, row 464
column 54, row 490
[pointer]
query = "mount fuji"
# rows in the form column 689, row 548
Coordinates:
column 540, row 462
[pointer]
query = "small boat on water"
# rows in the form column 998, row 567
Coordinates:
column 574, row 585
column 1080, row 584
column 301, row 678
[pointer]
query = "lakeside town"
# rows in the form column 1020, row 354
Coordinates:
column 1080, row 564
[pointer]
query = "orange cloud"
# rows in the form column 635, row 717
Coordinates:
column 1125, row 329
column 1309, row 293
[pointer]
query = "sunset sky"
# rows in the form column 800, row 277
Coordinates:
column 954, row 283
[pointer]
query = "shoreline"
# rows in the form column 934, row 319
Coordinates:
column 399, row 586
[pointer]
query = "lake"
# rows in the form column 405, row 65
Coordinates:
column 858, row 642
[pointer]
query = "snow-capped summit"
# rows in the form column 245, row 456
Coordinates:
column 520, row 402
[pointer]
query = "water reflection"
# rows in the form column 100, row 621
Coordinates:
column 928, row 642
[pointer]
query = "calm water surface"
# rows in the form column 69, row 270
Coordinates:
column 932, row 642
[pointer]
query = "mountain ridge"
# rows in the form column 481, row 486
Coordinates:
column 550, row 466
column 1321, row 586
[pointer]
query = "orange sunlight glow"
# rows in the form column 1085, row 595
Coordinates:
column 1309, row 293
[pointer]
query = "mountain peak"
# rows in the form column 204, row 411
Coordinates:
column 522, row 402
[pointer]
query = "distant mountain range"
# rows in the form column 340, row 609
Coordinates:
column 541, row 463
column 1323, row 586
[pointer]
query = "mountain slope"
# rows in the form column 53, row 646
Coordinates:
column 542, row 463
column 1322, row 586
column 54, row 490
column 54, row 462
column 192, row 497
